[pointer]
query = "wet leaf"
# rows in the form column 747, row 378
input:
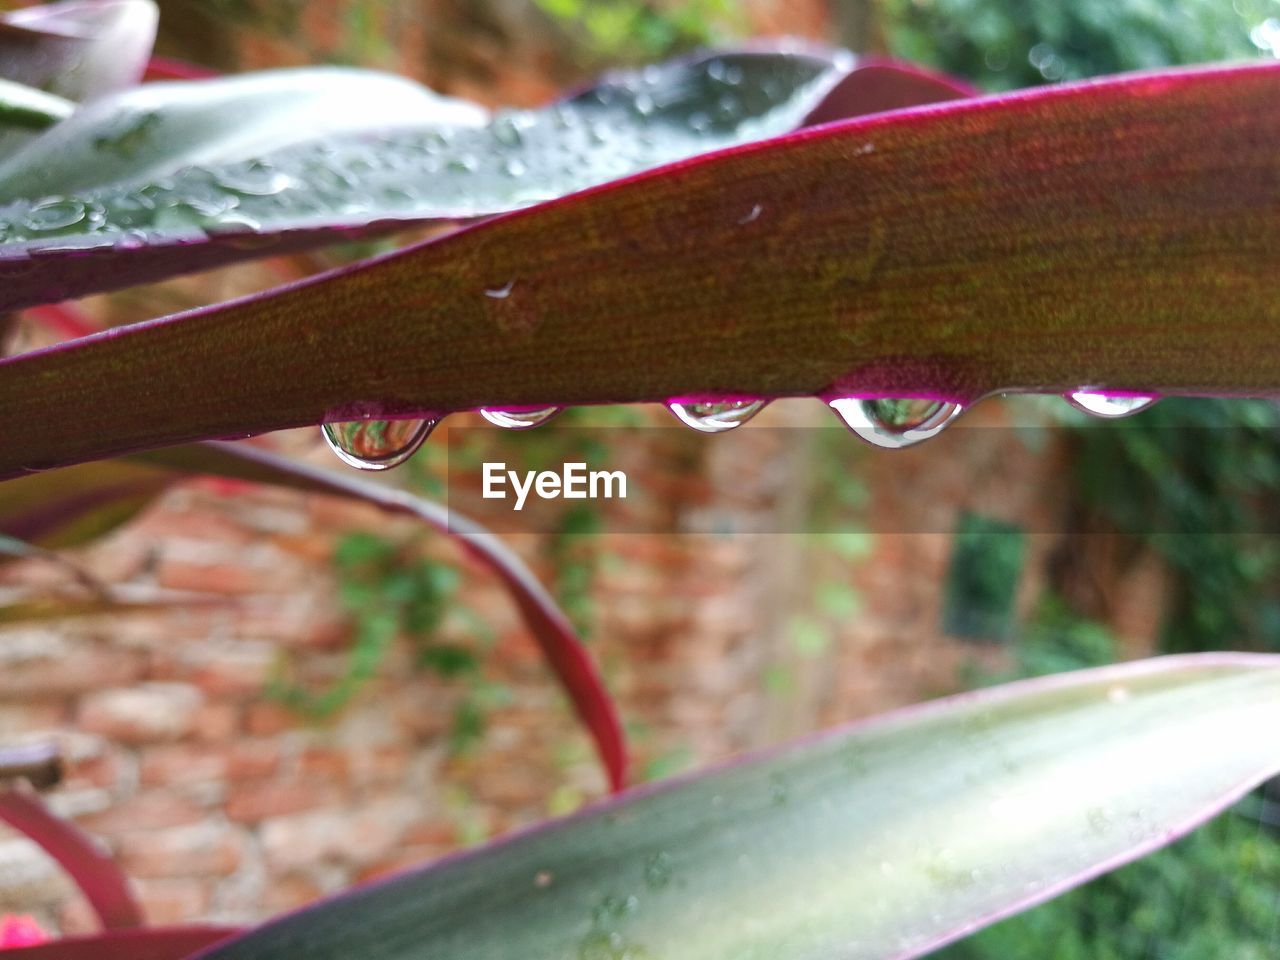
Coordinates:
column 173, row 177
column 1113, row 235
column 881, row 841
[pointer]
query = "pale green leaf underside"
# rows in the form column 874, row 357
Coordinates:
column 881, row 841
column 454, row 165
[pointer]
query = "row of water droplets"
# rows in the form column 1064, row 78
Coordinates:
column 630, row 122
column 889, row 422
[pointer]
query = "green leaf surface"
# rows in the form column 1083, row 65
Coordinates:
column 881, row 841
column 1116, row 235
column 143, row 136
column 26, row 108
column 222, row 168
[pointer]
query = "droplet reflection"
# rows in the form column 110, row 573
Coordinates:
column 895, row 422
column 716, row 417
column 1104, row 405
column 519, row 419
column 376, row 444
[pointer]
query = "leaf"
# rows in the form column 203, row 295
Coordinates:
column 176, row 177
column 1092, row 234
column 161, row 943
column 96, row 874
column 142, row 136
column 26, row 108
column 71, row 507
column 880, row 841
column 78, row 50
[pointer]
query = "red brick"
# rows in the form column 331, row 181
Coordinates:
column 69, row 672
column 217, row 723
column 220, row 578
column 290, row 892
column 254, row 802
column 173, row 901
column 325, row 764
column 266, row 719
column 234, row 669
column 253, row 759
column 182, row 763
column 199, row 850
column 151, row 810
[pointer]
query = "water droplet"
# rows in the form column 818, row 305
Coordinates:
column 658, row 870
column 752, row 215
column 256, row 179
column 514, row 168
column 716, row 417
column 506, row 130
column 502, row 292
column 376, row 444
column 895, row 422
column 1104, row 405
column 54, row 214
column 519, row 419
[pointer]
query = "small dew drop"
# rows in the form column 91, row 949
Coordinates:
column 519, row 419
column 543, row 879
column 1104, row 405
column 506, row 130
column 55, row 214
column 895, row 422
column 376, row 444
column 658, row 870
column 752, row 215
column 716, row 417
column 502, row 292
column 255, row 178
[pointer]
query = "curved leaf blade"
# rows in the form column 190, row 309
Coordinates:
column 881, row 841
column 205, row 204
column 144, row 135
column 99, row 878
column 79, row 50
column 26, row 108
column 1083, row 235
column 71, row 507
column 157, row 943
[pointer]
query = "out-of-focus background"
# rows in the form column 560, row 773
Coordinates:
column 367, row 699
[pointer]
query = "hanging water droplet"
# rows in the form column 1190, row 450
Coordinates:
column 376, row 444
column 716, row 417
column 1104, row 405
column 519, row 419
column 895, row 422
